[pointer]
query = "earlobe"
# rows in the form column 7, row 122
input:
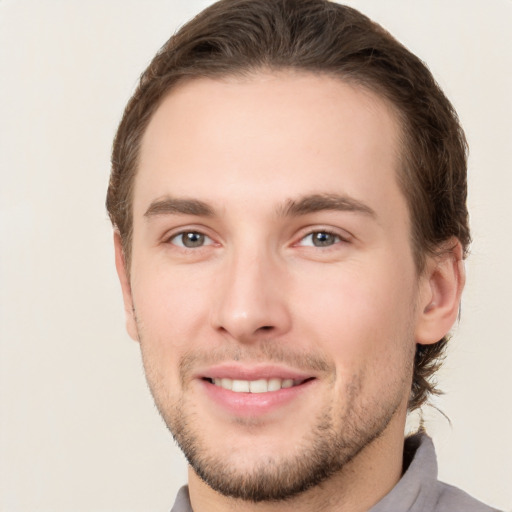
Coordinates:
column 444, row 280
column 122, row 273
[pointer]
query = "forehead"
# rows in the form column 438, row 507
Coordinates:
column 277, row 134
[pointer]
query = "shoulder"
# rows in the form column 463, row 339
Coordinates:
column 419, row 489
column 182, row 503
column 452, row 499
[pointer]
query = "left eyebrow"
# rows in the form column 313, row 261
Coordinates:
column 320, row 202
column 179, row 206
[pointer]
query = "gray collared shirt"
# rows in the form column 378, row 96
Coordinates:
column 418, row 490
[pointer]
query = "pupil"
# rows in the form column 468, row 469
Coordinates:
column 193, row 239
column 322, row 239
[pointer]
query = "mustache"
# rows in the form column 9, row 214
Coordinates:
column 263, row 352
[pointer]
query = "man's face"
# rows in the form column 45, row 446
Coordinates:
column 273, row 284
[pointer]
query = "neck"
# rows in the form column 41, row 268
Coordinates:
column 361, row 483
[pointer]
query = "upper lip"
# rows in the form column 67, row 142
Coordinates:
column 251, row 372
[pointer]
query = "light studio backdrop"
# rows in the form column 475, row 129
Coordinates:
column 78, row 429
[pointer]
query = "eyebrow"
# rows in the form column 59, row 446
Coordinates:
column 291, row 208
column 177, row 206
column 320, row 202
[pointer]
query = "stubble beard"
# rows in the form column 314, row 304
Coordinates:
column 324, row 451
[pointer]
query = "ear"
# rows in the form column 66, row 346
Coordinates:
column 442, row 281
column 122, row 272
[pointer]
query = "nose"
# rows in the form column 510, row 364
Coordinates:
column 252, row 298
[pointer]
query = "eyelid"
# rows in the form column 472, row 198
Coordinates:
column 207, row 240
column 180, row 230
column 342, row 234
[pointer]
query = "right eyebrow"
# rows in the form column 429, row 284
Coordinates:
column 176, row 206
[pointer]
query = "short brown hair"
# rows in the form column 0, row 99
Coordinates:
column 240, row 37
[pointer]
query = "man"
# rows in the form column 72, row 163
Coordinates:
column 288, row 193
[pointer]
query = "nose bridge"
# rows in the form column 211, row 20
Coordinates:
column 250, row 301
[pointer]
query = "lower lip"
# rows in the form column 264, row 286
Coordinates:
column 253, row 404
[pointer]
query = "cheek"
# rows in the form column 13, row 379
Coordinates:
column 171, row 306
column 359, row 316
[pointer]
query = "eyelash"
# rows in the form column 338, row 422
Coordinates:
column 205, row 238
column 337, row 238
column 181, row 234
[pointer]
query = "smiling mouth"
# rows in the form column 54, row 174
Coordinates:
column 256, row 386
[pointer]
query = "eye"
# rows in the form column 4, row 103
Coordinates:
column 190, row 239
column 320, row 239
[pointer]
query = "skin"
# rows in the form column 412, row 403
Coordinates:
column 256, row 291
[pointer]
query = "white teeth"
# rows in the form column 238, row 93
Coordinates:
column 226, row 383
column 258, row 386
column 274, row 384
column 254, row 386
column 240, row 386
column 287, row 383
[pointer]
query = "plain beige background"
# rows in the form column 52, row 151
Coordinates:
column 78, row 430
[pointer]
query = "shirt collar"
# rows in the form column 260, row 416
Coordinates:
column 417, row 487
column 413, row 493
